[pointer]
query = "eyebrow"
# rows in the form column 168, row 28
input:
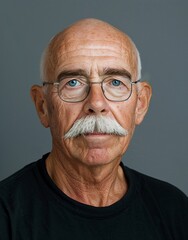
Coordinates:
column 81, row 72
column 72, row 73
column 117, row 71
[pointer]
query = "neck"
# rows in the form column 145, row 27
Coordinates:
column 92, row 185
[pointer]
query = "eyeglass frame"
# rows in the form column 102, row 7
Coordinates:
column 56, row 83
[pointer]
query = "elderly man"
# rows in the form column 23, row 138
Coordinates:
column 91, row 100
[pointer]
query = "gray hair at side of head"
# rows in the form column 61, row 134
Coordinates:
column 43, row 66
column 43, row 61
column 139, row 65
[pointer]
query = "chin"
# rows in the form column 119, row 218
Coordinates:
column 99, row 157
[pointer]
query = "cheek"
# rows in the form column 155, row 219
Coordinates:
column 126, row 118
column 62, row 116
column 57, row 121
column 126, row 115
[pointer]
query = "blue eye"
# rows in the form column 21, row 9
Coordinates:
column 116, row 82
column 73, row 83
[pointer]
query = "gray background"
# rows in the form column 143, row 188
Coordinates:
column 160, row 30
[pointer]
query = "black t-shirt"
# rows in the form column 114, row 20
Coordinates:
column 33, row 208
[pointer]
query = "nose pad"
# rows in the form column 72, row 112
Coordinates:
column 96, row 103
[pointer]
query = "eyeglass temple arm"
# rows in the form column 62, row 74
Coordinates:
column 139, row 80
column 53, row 83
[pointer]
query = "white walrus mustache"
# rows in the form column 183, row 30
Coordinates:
column 92, row 123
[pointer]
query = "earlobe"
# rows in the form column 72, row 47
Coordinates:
column 143, row 101
column 40, row 104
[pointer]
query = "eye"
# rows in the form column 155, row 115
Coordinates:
column 73, row 83
column 116, row 82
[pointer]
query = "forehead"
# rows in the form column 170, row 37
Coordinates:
column 110, row 44
column 97, row 53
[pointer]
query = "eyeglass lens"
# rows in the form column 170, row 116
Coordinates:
column 75, row 90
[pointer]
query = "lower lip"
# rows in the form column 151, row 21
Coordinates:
column 96, row 136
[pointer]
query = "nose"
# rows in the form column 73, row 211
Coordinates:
column 96, row 103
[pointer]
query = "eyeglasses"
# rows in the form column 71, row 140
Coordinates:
column 76, row 89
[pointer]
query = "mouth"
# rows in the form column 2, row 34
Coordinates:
column 95, row 134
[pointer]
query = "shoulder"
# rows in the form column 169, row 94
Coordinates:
column 161, row 190
column 166, row 204
column 162, row 199
column 18, row 181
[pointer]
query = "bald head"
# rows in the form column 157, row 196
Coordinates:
column 92, row 31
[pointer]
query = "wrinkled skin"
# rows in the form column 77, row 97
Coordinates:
column 89, row 165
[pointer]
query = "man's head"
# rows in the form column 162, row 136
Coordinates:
column 88, row 31
column 91, row 53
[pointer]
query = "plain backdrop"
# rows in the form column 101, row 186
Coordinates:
column 160, row 30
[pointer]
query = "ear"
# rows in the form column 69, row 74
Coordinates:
column 37, row 95
column 144, row 96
